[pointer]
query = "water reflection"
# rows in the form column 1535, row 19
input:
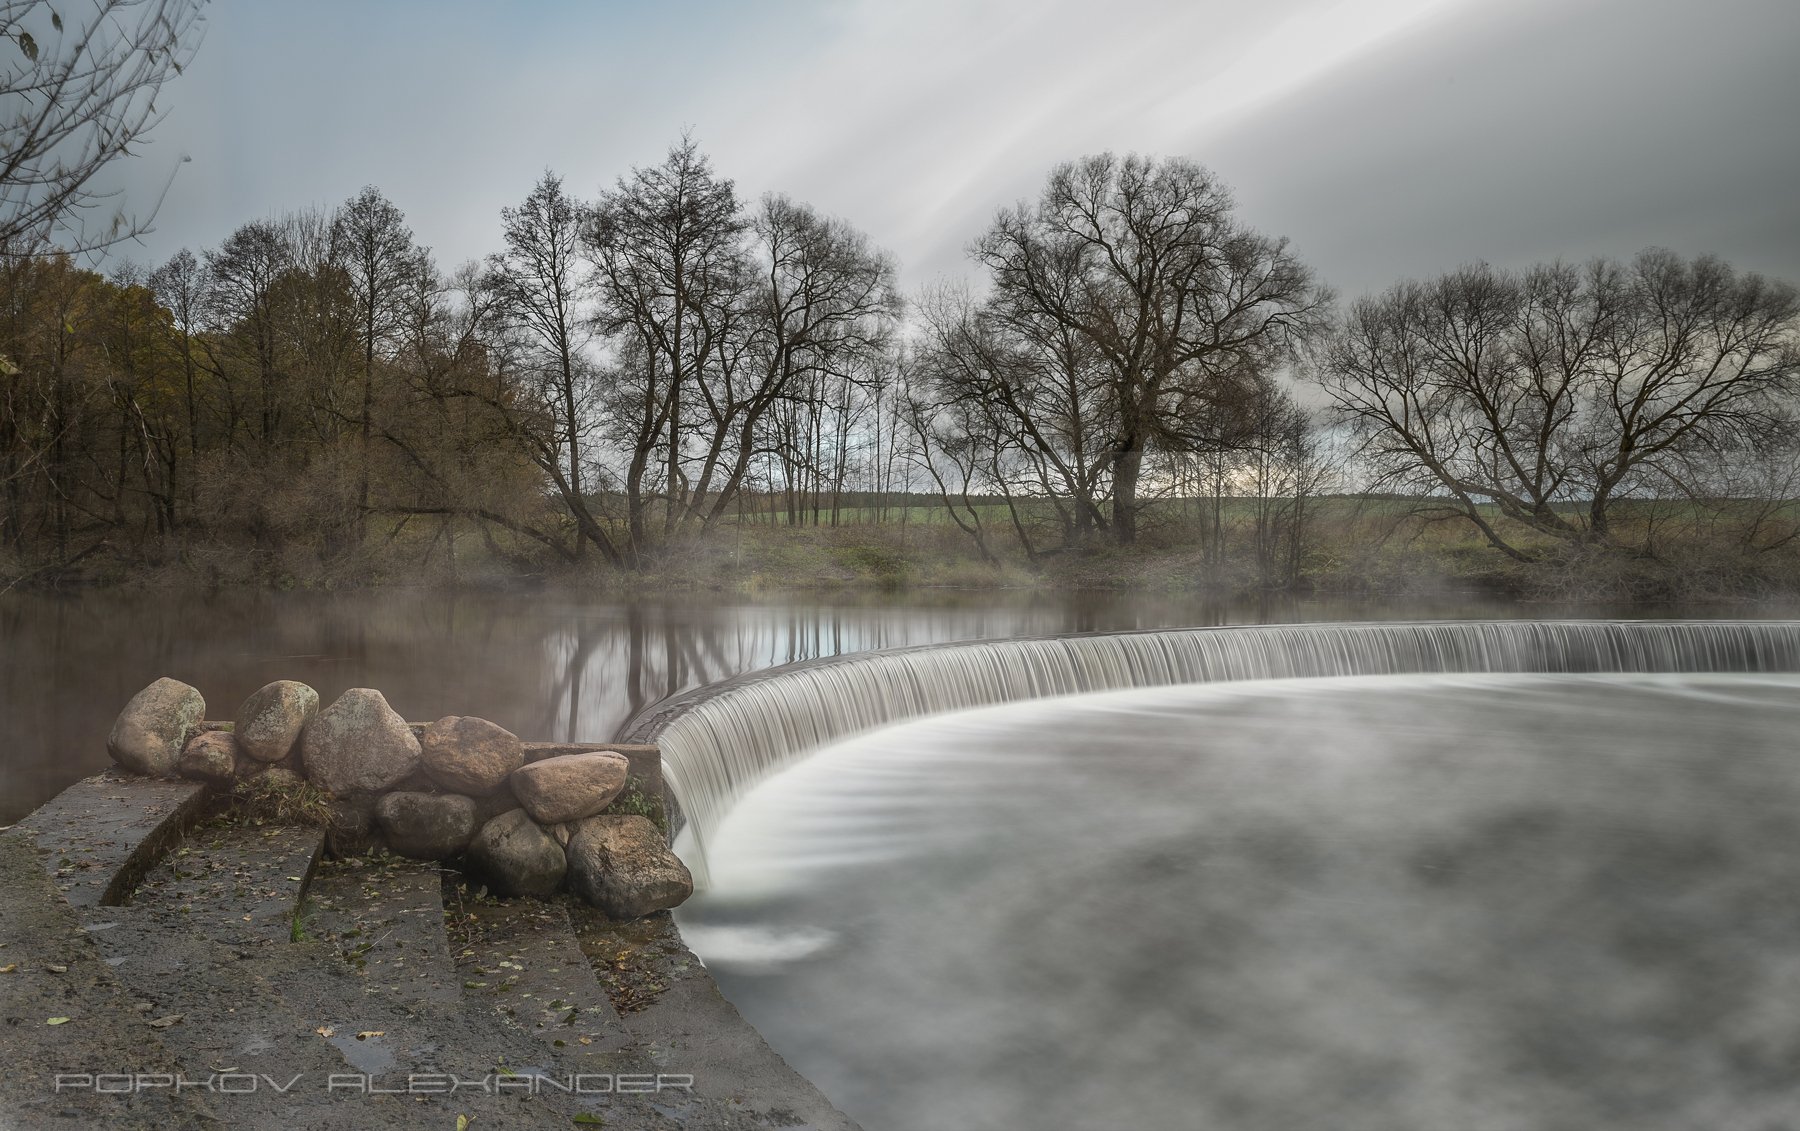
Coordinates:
column 552, row 666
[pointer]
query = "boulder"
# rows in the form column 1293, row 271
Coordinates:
column 426, row 826
column 646, row 761
column 352, row 830
column 416, row 782
column 492, row 805
column 154, row 727
column 570, row 787
column 470, row 755
column 621, row 865
column 358, row 744
column 270, row 721
column 210, row 756
column 513, row 855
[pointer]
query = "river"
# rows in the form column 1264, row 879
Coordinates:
column 1382, row 903
column 550, row 666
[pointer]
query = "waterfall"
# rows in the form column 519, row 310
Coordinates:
column 718, row 742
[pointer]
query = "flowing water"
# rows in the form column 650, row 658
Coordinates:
column 1404, row 902
column 728, row 739
column 551, row 666
column 1483, row 901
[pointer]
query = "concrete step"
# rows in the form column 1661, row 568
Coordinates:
column 235, row 884
column 100, row 835
column 520, row 959
column 206, row 948
column 385, row 915
column 681, row 1023
column 245, row 991
column 50, row 968
column 283, row 992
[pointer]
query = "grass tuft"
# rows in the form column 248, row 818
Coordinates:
column 272, row 800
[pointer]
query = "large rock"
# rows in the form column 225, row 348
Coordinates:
column 270, row 721
column 570, row 787
column 470, row 755
column 352, row 830
column 210, row 756
column 358, row 744
column 153, row 728
column 492, row 805
column 513, row 855
column 621, row 865
column 426, row 826
column 646, row 761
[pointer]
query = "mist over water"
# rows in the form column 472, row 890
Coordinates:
column 1482, row 902
column 550, row 666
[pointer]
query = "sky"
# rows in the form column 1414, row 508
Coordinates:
column 1386, row 138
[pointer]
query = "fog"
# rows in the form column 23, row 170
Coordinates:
column 1405, row 902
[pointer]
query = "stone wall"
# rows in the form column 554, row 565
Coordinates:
column 524, row 818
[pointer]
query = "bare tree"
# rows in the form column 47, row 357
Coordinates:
column 79, row 94
column 541, row 286
column 1551, row 395
column 668, row 256
column 819, row 307
column 180, row 286
column 378, row 250
column 1041, row 396
column 242, row 276
column 1144, row 261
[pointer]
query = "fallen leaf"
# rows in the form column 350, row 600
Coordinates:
column 584, row 1040
column 462, row 1123
column 9, row 968
column 56, row 969
column 165, row 1022
column 324, row 1030
column 296, row 879
column 57, row 1021
column 367, row 1033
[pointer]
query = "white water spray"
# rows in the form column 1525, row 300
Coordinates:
column 719, row 743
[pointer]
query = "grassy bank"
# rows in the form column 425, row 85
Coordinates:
column 1347, row 545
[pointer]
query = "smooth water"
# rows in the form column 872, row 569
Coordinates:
column 1394, row 903
column 551, row 666
column 720, row 746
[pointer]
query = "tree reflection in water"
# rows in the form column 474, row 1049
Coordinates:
column 551, row 666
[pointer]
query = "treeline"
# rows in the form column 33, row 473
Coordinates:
column 619, row 376
column 316, row 399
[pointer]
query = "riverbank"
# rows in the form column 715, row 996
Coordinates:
column 1362, row 552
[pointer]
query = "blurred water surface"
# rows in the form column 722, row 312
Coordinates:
column 1392, row 903
column 550, row 665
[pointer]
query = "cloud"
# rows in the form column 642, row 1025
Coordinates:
column 1386, row 136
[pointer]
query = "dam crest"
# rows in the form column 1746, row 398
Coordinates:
column 720, row 741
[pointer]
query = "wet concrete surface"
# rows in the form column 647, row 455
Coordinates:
column 286, row 994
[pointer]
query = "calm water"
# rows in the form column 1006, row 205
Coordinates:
column 1398, row 903
column 552, row 666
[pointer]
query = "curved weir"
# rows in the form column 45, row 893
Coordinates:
column 719, row 742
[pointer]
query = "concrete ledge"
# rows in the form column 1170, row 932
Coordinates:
column 98, row 837
column 53, row 970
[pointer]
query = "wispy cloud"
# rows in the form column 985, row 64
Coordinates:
column 1384, row 135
